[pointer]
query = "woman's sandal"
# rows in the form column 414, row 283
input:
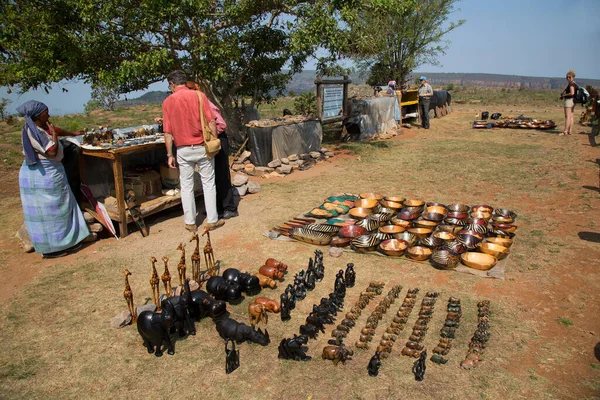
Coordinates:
column 563, row 134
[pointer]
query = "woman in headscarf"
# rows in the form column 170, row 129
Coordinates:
column 52, row 216
column 391, row 87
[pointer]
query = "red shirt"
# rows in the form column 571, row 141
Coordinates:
column 181, row 116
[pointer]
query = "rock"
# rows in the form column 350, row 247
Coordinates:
column 244, row 156
column 274, row 164
column 250, row 169
column 324, row 150
column 253, row 187
column 325, row 157
column 23, row 236
column 146, row 307
column 239, row 180
column 194, row 285
column 96, row 228
column 335, row 251
column 92, row 237
column 285, row 161
column 305, row 156
column 315, row 154
column 89, row 218
column 237, row 167
column 284, row 169
column 293, row 164
column 293, row 157
column 264, row 170
column 300, row 163
column 240, row 190
column 329, row 153
column 121, row 320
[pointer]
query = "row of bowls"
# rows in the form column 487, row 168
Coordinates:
column 444, row 234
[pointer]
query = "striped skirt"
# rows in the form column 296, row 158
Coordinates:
column 52, row 216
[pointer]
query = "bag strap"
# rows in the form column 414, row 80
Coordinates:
column 203, row 123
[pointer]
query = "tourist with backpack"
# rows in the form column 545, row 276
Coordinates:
column 568, row 97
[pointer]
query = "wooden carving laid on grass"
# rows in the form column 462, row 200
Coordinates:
column 128, row 294
column 155, row 284
column 196, row 259
column 181, row 266
column 166, row 277
column 209, row 256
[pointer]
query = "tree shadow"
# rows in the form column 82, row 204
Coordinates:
column 597, row 351
column 594, row 188
column 589, row 236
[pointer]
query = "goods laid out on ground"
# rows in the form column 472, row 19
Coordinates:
column 478, row 236
column 108, row 138
column 515, row 123
column 175, row 312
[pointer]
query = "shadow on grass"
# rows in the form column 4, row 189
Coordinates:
column 589, row 236
column 594, row 188
column 361, row 147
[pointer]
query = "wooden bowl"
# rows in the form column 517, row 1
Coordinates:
column 340, row 241
column 369, row 195
column 369, row 224
column 435, row 217
column 502, row 220
column 360, row 212
column 454, row 247
column 501, row 241
column 436, row 210
column 395, row 199
column 423, row 223
column 392, row 229
column 454, row 229
column 455, row 221
column 420, row 233
column 351, row 231
column 503, row 212
column 401, row 222
column 365, row 203
column 364, row 243
column 457, row 215
column 407, row 237
column 419, row 253
column 432, row 242
column 433, row 204
column 444, row 259
column 471, row 239
column 483, row 208
column 457, row 207
column 408, row 215
column 495, row 250
column 391, row 204
column 445, row 236
column 505, row 227
column 393, row 247
column 414, row 203
column 480, row 261
column 481, row 215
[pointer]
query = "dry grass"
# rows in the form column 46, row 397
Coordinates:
column 56, row 338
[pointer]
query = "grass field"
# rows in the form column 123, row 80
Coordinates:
column 57, row 342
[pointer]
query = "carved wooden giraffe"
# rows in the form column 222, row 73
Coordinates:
column 155, row 284
column 209, row 256
column 166, row 277
column 128, row 294
column 181, row 266
column 196, row 259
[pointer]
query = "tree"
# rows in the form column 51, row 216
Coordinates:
column 235, row 50
column 3, row 103
column 306, row 104
column 104, row 97
column 390, row 39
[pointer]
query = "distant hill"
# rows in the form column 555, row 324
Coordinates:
column 305, row 81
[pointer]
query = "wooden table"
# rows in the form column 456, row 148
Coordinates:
column 116, row 157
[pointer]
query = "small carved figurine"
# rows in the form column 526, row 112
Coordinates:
column 285, row 308
column 196, row 259
column 419, row 367
column 350, row 276
column 294, row 349
column 278, row 265
column 258, row 313
column 181, row 266
column 155, row 284
column 232, row 357
column 270, row 305
column 154, row 328
column 311, row 279
column 340, row 286
column 209, row 256
column 128, row 294
column 265, row 281
column 319, row 267
column 337, row 354
column 166, row 277
column 240, row 332
column 271, row 272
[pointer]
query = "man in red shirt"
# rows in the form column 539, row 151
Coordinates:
column 182, row 127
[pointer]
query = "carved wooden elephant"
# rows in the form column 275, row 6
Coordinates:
column 154, row 328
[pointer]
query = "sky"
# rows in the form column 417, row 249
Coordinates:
column 513, row 37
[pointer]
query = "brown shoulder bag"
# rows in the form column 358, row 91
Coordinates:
column 212, row 144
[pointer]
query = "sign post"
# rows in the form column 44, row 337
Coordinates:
column 332, row 99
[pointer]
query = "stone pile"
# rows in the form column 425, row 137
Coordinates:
column 280, row 167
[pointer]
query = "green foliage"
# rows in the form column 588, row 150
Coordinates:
column 103, row 96
column 93, row 105
column 392, row 38
column 3, row 103
column 305, row 104
column 292, row 93
column 450, row 86
column 565, row 321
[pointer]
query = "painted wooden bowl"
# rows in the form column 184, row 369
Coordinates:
column 505, row 227
column 382, row 217
column 458, row 207
column 435, row 204
column 471, row 239
column 423, row 223
column 495, row 250
column 407, row 237
column 432, row 242
column 393, row 247
column 351, row 231
column 500, row 233
column 503, row 212
column 481, row 214
column 436, row 210
column 454, row 229
column 435, row 217
column 326, row 228
column 455, row 221
column 365, row 203
column 457, row 215
column 369, row 224
column 444, row 259
column 340, row 241
column 392, row 229
column 391, row 204
column 360, row 212
column 454, row 247
column 401, row 222
column 420, row 233
column 479, row 228
column 502, row 220
column 370, row 195
column 414, row 203
column 480, row 261
column 419, row 253
column 501, row 241
column 445, row 236
column 364, row 243
column 382, row 236
column 396, row 199
column 482, row 207
column 408, row 215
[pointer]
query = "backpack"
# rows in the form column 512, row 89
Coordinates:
column 581, row 95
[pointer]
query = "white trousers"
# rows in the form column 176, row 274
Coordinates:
column 187, row 158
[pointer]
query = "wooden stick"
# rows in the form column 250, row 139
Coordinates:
column 240, row 150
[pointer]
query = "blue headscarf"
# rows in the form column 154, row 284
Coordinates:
column 30, row 110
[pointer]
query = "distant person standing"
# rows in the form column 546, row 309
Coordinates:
column 568, row 97
column 425, row 93
column 391, row 87
column 182, row 126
